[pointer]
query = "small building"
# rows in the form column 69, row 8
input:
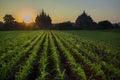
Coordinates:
column 84, row 21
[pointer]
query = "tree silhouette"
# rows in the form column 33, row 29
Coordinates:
column 8, row 18
column 64, row 26
column 1, row 25
column 9, row 22
column 105, row 25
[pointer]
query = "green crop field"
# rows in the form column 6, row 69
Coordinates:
column 59, row 55
column 110, row 37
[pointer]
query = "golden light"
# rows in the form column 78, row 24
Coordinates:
column 27, row 18
column 26, row 15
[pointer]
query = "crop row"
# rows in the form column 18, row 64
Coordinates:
column 55, row 55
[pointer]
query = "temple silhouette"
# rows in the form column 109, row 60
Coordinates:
column 43, row 20
column 84, row 21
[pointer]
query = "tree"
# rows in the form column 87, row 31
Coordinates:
column 64, row 26
column 105, row 25
column 9, row 22
column 1, row 25
column 8, row 18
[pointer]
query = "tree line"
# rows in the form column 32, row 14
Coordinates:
column 44, row 21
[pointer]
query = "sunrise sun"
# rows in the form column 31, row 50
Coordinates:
column 27, row 18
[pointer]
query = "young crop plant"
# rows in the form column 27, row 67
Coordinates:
column 84, row 49
column 25, row 68
column 7, row 66
column 59, row 75
column 43, row 61
column 58, row 55
column 11, row 53
column 76, row 69
column 97, row 72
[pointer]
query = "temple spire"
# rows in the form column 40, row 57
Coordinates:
column 84, row 13
column 43, row 13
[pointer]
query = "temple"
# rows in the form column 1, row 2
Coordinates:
column 84, row 21
column 43, row 20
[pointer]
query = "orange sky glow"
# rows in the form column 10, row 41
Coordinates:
column 61, row 10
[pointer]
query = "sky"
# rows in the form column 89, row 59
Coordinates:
column 61, row 10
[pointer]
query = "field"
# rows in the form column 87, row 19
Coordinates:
column 59, row 55
column 107, row 37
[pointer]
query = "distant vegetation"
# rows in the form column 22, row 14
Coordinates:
column 43, row 21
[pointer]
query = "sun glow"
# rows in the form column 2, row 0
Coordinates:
column 27, row 18
column 26, row 15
